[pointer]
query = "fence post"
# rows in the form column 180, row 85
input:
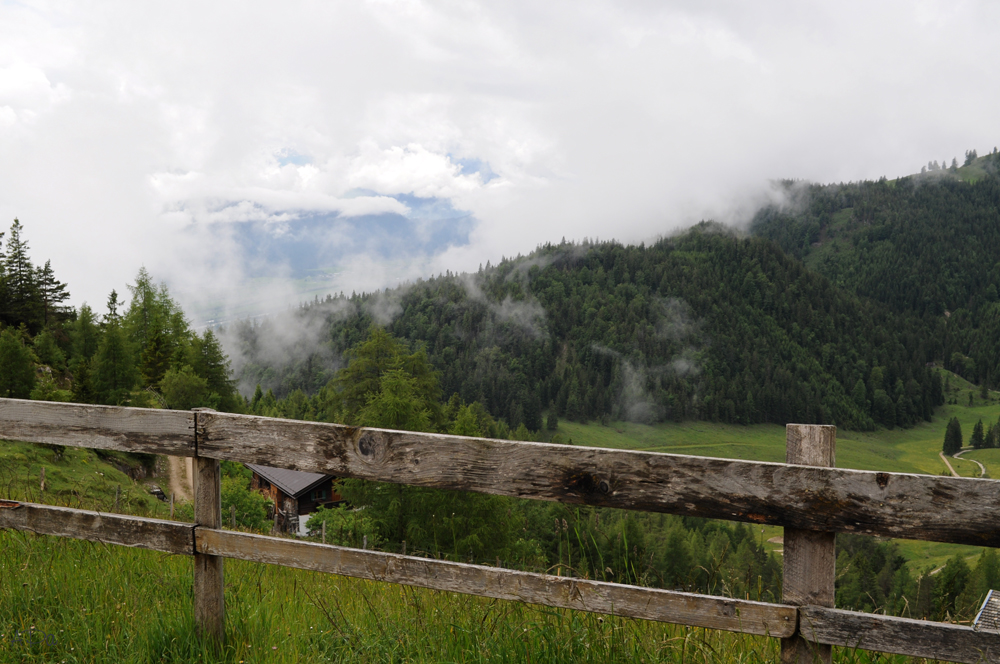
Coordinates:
column 209, row 605
column 810, row 556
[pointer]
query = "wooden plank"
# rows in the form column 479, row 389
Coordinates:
column 810, row 556
column 562, row 592
column 155, row 534
column 942, row 509
column 98, row 427
column 901, row 636
column 209, row 582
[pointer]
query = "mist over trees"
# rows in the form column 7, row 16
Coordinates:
column 706, row 325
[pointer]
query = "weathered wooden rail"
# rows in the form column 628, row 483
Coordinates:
column 807, row 496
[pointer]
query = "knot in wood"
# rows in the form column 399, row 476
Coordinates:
column 882, row 479
column 372, row 446
column 585, row 484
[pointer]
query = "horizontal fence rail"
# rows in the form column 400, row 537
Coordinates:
column 724, row 613
column 141, row 532
column 903, row 636
column 940, row 509
column 801, row 498
column 142, row 430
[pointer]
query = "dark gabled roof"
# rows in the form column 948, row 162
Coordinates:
column 292, row 483
column 989, row 615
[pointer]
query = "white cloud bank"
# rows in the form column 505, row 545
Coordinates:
column 125, row 127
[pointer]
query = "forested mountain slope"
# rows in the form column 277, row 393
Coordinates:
column 706, row 325
column 926, row 245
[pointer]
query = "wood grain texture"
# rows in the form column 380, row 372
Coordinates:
column 155, row 534
column 209, row 579
column 901, row 505
column 902, row 636
column 98, row 427
column 570, row 593
column 810, row 558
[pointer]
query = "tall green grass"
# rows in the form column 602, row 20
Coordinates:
column 88, row 602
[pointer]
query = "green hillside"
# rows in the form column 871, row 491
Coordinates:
column 925, row 245
column 704, row 326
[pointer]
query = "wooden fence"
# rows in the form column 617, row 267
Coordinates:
column 810, row 498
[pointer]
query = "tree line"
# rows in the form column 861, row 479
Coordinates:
column 140, row 353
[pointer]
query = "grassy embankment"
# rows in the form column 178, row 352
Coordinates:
column 913, row 450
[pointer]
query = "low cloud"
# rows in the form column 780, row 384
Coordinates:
column 386, row 306
column 262, row 349
column 527, row 315
column 674, row 320
column 636, row 401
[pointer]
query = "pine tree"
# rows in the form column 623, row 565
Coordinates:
column 212, row 364
column 83, row 383
column 373, row 359
column 953, row 437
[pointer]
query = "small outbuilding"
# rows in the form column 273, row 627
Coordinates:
column 989, row 615
column 295, row 494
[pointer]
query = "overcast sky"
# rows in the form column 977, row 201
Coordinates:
column 149, row 134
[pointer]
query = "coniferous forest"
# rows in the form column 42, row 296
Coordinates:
column 140, row 352
column 706, row 325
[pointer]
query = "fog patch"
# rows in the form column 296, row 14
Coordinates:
column 527, row 315
column 638, row 382
column 384, row 307
column 674, row 319
column 265, row 350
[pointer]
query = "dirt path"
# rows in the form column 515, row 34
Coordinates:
column 180, row 478
column 948, row 463
column 982, row 468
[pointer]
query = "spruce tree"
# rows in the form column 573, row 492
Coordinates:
column 52, row 293
column 978, row 440
column 212, row 364
column 20, row 281
column 953, row 437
